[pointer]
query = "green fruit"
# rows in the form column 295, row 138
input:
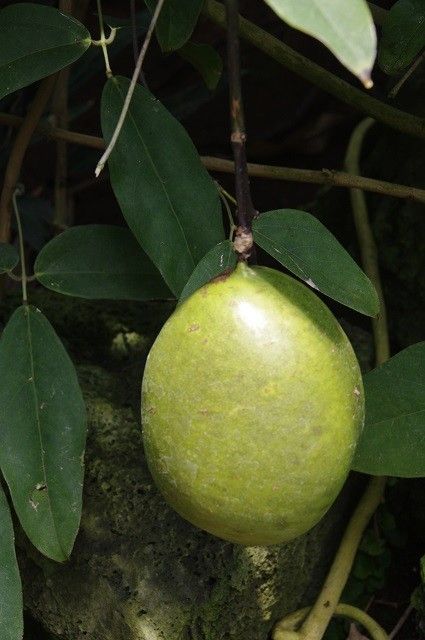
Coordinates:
column 252, row 404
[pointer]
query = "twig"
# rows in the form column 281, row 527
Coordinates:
column 269, row 172
column 134, row 30
column 401, row 622
column 396, row 88
column 21, row 247
column 17, row 153
column 325, row 176
column 243, row 242
column 130, row 91
column 314, row 73
column 292, row 621
column 367, row 243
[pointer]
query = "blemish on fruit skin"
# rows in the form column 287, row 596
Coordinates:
column 222, row 277
column 193, row 327
column 356, row 391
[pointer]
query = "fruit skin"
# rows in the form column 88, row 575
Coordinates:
column 252, row 404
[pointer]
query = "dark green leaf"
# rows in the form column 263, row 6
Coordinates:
column 99, row 261
column 206, row 60
column 393, row 439
column 9, row 257
column 167, row 197
column 403, row 36
column 36, row 41
column 176, row 21
column 348, row 33
column 304, row 246
column 11, row 618
column 42, row 432
column 221, row 258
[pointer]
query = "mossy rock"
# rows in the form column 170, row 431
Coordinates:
column 138, row 571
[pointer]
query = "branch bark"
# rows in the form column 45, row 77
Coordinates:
column 269, row 172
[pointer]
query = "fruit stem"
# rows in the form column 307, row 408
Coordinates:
column 243, row 242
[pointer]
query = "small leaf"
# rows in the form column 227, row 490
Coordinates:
column 11, row 617
column 220, row 259
column 167, row 197
column 36, row 41
column 42, row 432
column 176, row 21
column 393, row 439
column 204, row 59
column 348, row 32
column 99, row 261
column 9, row 257
column 304, row 246
column 403, row 36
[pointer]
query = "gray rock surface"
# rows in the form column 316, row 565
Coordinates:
column 138, row 571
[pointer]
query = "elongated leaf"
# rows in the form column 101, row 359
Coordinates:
column 11, row 618
column 42, row 432
column 176, row 21
column 99, row 261
column 347, row 29
column 304, row 246
column 36, row 41
column 167, row 197
column 393, row 439
column 221, row 258
column 9, row 257
column 403, row 36
column 206, row 60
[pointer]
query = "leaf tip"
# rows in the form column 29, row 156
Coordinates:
column 366, row 80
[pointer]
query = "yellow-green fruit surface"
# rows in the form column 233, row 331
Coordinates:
column 252, row 404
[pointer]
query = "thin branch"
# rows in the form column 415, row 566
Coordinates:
column 401, row 622
column 134, row 30
column 17, row 153
column 21, row 247
column 396, row 88
column 314, row 73
column 328, row 177
column 130, row 91
column 325, row 176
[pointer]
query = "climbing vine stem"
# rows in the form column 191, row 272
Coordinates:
column 315, row 621
column 245, row 209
